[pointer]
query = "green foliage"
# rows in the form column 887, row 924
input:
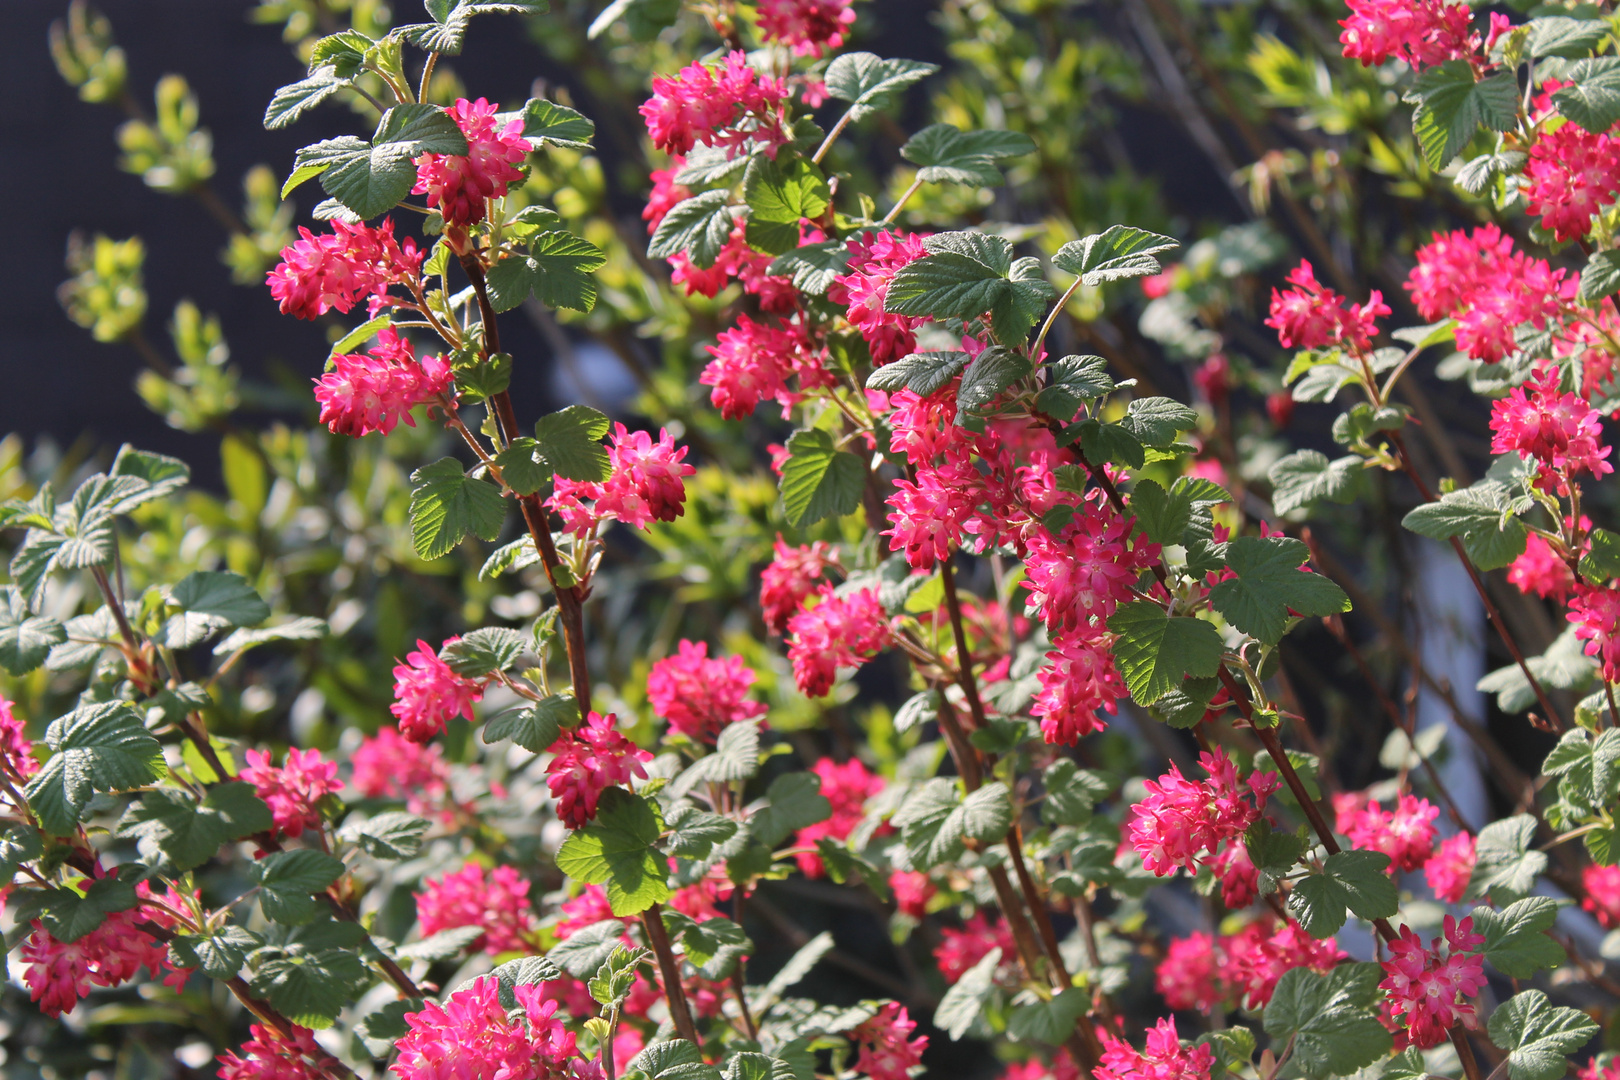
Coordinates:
column 1516, row 941
column 1482, row 516
column 947, row 155
column 1118, row 253
column 617, row 850
column 1591, row 96
column 1354, row 880
column 97, row 747
column 779, row 193
column 1451, row 106
column 534, row 727
column 447, row 504
column 174, row 832
column 1538, row 1036
column 290, row 881
column 1307, row 476
column 570, row 442
column 555, row 269
column 870, row 83
column 699, row 226
column 922, row 373
column 966, row 275
column 1506, row 866
column 369, row 178
column 1271, row 585
column 819, row 480
column 1331, row 1019
column 1155, row 650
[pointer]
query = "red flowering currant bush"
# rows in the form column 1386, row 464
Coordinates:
column 1037, row 612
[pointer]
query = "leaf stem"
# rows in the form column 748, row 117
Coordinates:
column 826, row 144
column 900, row 203
column 669, row 969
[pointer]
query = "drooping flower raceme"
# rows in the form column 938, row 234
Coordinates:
column 700, row 696
column 1558, row 429
column 790, row 577
column 887, row 1050
column 1181, row 822
column 472, row 1037
column 1421, row 32
column 1405, row 833
column 1162, row 1058
column 846, row 787
column 334, row 270
column 295, row 790
column 387, row 766
column 1424, row 988
column 16, row 751
column 1602, row 884
column 374, row 392
column 497, row 902
column 1450, row 867
column 268, row 1056
column 806, row 26
column 588, row 760
column 732, row 105
column 428, row 694
column 1311, row 316
column 874, row 258
column 1200, row 972
column 459, row 186
column 840, row 631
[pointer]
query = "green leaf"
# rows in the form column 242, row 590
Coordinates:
column 219, row 954
column 813, row 266
column 612, row 982
column 1156, row 651
column 163, row 475
column 922, row 373
column 1571, row 39
column 1305, row 476
column 571, row 442
column 522, row 467
column 310, row 981
column 1516, row 941
column 393, row 834
column 370, row 179
column 699, row 226
column 1185, row 705
column 1329, row 1018
column 990, row 373
column 1505, row 866
column 617, row 850
column 735, row 757
column 587, row 949
column 1601, row 277
column 1119, row 252
column 295, row 99
column 1274, row 854
column 780, row 193
column 1591, row 94
column 1105, row 444
column 1270, row 585
column 98, row 747
column 289, row 881
column 1451, row 106
column 525, row 971
column 1350, row 879
column 1480, row 173
column 820, row 481
column 18, row 844
column 1601, row 563
column 869, row 83
column 793, row 802
column 1482, row 516
column 482, row 652
column 447, row 504
column 173, row 832
column 444, row 945
column 533, row 727
column 966, row 275
column 70, row 916
column 25, row 639
column 948, row 155
column 920, row 708
column 210, row 601
column 713, row 946
column 547, row 123
column 694, row 832
column 1538, row 1036
column 1156, row 421
column 1159, row 514
column 345, row 51
column 675, row 1059
column 964, row 1002
column 557, row 271
column 1051, row 1022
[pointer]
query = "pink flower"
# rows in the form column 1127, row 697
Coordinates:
column 472, row 1037
column 1539, row 570
column 460, row 185
column 732, row 106
column 16, row 751
column 1602, row 1067
column 428, row 694
column 587, row 909
column 1079, row 577
column 846, row 787
column 647, row 482
column 587, row 761
column 1406, row 833
column 1188, row 978
column 874, row 259
column 375, row 392
column 790, row 577
column 1450, row 867
column 928, row 516
column 959, row 949
column 1424, row 989
column 318, row 274
column 268, row 1056
column 1257, row 956
column 751, row 362
column 1421, row 32
column 1602, row 884
column 499, row 904
column 666, row 194
column 912, row 891
column 805, row 25
column 59, row 973
column 1595, row 611
column 389, row 767
column 840, row 631
column 1078, row 680
column 1488, row 287
column 1560, row 430
column 295, row 790
column 1181, row 821
column 1214, row 377
column 699, row 696
column 1163, row 1058
column 1310, row 316
column 887, row 1051
column 1572, row 174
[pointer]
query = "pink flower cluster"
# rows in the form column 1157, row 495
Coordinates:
column 700, row 696
column 732, row 106
column 1541, row 571
column 586, row 761
column 1420, row 32
column 1559, row 430
column 16, row 751
column 887, row 1050
column 1312, row 316
column 59, row 973
column 846, row 787
column 790, row 577
column 1181, row 823
column 961, row 948
column 740, row 261
column 839, row 631
column 460, row 185
column 428, row 694
column 912, row 890
column 295, row 790
column 268, row 1056
column 874, row 259
column 1200, row 972
column 1423, row 987
column 805, row 26
column 1450, row 867
column 1571, row 175
column 318, row 274
column 1602, row 884
column 498, row 903
column 1603, row 1067
column 753, row 361
column 1405, row 833
column 1478, row 279
column 374, row 392
column 647, row 484
column 387, row 766
column 1162, row 1058
column 1595, row 611
column 472, row 1037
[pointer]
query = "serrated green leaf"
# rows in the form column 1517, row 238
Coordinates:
column 1155, row 651
column 447, row 504
column 219, row 954
column 819, row 480
column 1158, row 513
column 571, row 442
column 612, row 982
column 1156, row 421
column 209, row 601
column 1601, row 277
column 1121, row 251
column 1591, row 93
column 965, row 1000
column 310, row 983
column 1274, row 854
column 393, row 834
column 1451, row 106
column 618, row 850
column 1354, row 880
column 813, row 266
column 289, row 882
column 1516, row 940
column 1305, row 476
column 779, row 193
column 1505, row 865
column 735, row 757
column 676, row 1059
column 1051, row 1022
column 793, row 802
column 1104, row 444
column 547, row 123
column 923, row 373
column 869, row 82
column 1329, row 1019
column 587, row 949
column 556, row 270
column 533, row 727
column 699, row 226
column 946, row 154
column 1559, row 35
column 174, row 832
column 1270, row 584
column 25, row 639
column 694, row 832
column 1538, row 1036
column 1481, row 516
column 98, row 747
column 990, row 373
